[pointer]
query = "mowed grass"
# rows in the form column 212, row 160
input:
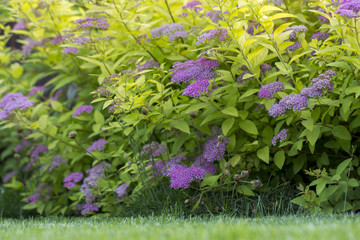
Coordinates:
column 166, row 227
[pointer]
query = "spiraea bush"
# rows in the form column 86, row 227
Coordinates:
column 194, row 105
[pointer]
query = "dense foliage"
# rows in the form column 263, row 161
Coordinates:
column 206, row 104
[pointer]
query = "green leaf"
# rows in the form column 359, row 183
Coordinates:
column 353, row 182
column 279, row 15
column 249, row 93
column 341, row 132
column 279, row 159
column 245, row 190
column 343, row 65
column 56, row 106
column 232, row 111
column 227, row 125
column 209, row 180
column 99, row 118
column 342, row 166
column 309, row 124
column 264, row 154
column 182, row 125
column 248, row 126
column 212, row 116
column 235, row 160
column 320, row 186
column 313, row 135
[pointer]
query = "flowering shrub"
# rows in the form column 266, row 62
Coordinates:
column 102, row 103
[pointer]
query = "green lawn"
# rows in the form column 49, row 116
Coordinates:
column 224, row 228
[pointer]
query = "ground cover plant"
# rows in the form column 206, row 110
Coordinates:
column 170, row 227
column 200, row 106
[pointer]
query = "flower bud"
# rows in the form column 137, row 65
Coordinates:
column 244, row 174
column 144, row 111
column 227, row 165
column 256, row 183
column 17, row 156
column 193, row 114
column 226, row 173
column 221, row 139
column 237, row 177
column 72, row 135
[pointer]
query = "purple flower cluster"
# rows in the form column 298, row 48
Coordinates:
column 353, row 5
column 281, row 136
column 13, row 101
column 193, row 5
column 294, row 47
column 73, row 178
column 27, row 49
column 277, row 110
column 251, row 28
column 173, row 30
column 195, row 89
column 297, row 102
column 69, row 50
column 297, row 28
column 121, row 190
column 90, row 182
column 323, row 81
column 277, row 2
column 346, row 13
column 265, row 68
column 215, row 149
column 153, row 149
column 36, row 89
column 61, row 38
column 215, row 15
column 56, row 162
column 81, row 41
column 89, row 207
column 92, row 23
column 33, row 198
column 192, row 70
column 199, row 70
column 322, row 18
column 148, row 64
column 320, row 36
column 202, row 162
column 219, row 34
column 97, row 145
column 39, row 149
column 81, row 109
column 158, row 168
column 181, row 176
column 268, row 90
column 9, row 176
column 24, row 144
column 240, row 78
column 21, row 25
